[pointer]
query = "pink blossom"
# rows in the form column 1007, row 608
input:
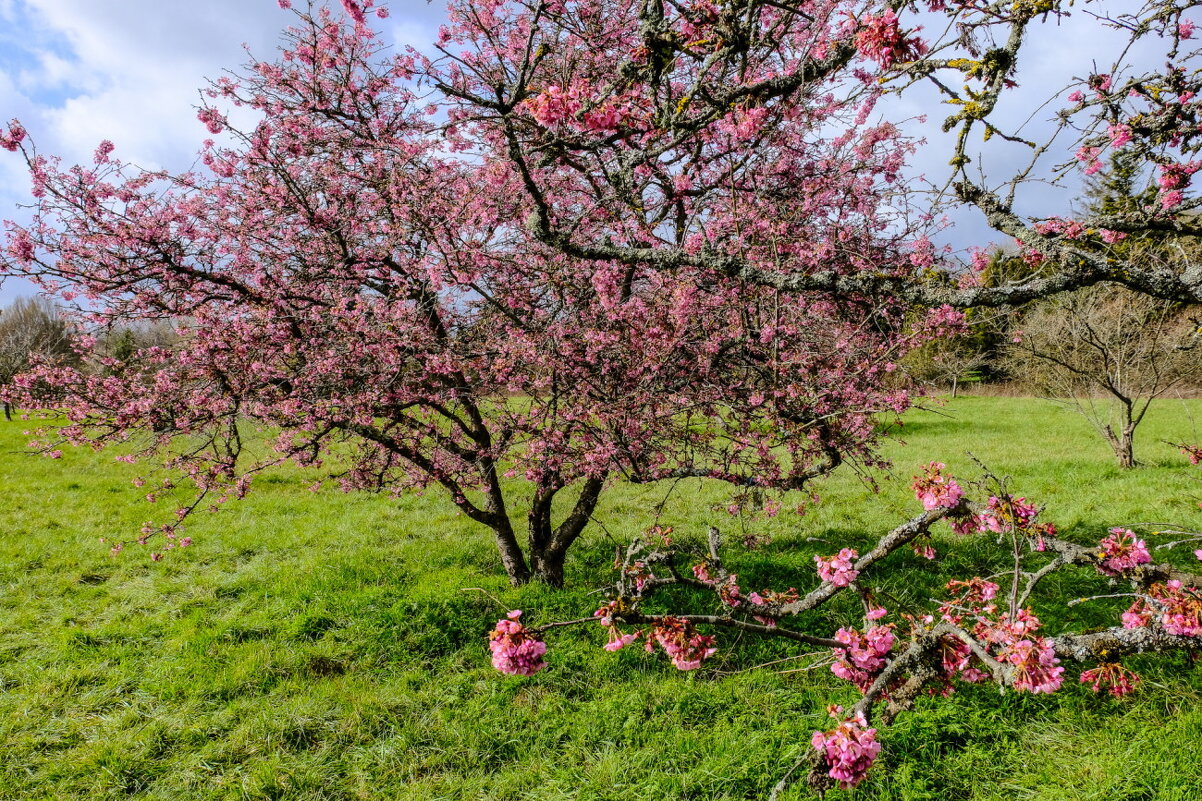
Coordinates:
column 685, row 647
column 1076, row 97
column 1036, row 667
column 849, row 750
column 881, row 39
column 1115, row 678
column 936, row 490
column 1185, row 28
column 864, row 655
column 1121, row 552
column 729, row 592
column 925, row 550
column 1119, row 135
column 516, row 649
column 1180, row 608
column 1008, row 514
column 702, row 573
column 212, row 119
column 838, row 569
column 355, row 11
column 12, row 140
column 618, row 640
column 285, row 4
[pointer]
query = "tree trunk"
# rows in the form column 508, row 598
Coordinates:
column 548, row 544
column 8, row 412
column 1123, row 445
column 955, row 385
column 511, row 553
column 548, row 567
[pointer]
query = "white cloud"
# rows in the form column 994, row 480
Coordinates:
column 80, row 71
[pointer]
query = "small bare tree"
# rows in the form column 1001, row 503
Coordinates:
column 31, row 329
column 946, row 363
column 1107, row 352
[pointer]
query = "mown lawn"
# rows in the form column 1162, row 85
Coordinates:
column 330, row 646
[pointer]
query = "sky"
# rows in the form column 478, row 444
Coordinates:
column 76, row 72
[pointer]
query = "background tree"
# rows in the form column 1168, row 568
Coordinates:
column 32, row 330
column 1109, row 353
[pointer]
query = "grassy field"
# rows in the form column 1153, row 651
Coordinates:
column 330, row 646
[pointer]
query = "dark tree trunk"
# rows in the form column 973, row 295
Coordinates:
column 549, row 544
column 8, row 412
column 511, row 552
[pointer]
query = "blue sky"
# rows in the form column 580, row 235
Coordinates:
column 79, row 71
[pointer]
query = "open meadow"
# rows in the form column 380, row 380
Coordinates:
column 332, row 646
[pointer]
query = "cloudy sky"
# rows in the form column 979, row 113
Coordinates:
column 79, row 71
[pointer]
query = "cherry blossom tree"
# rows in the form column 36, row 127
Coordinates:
column 360, row 267
column 580, row 241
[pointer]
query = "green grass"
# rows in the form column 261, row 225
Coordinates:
column 330, row 646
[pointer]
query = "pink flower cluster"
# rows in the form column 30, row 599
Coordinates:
column 1113, row 677
column 1121, row 551
column 12, row 140
column 1193, row 453
column 685, row 647
column 881, row 39
column 849, row 750
column 1179, row 609
column 702, row 573
column 556, row 107
column 772, row 598
column 617, row 640
column 958, row 661
column 1000, row 514
column 838, row 569
column 1173, row 179
column 1036, row 668
column 1119, row 135
column 516, row 649
column 1069, row 229
column 864, row 656
column 935, row 489
column 212, row 119
column 729, row 592
column 975, row 596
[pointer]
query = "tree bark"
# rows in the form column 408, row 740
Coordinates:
column 511, row 553
column 1123, row 445
column 548, row 544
